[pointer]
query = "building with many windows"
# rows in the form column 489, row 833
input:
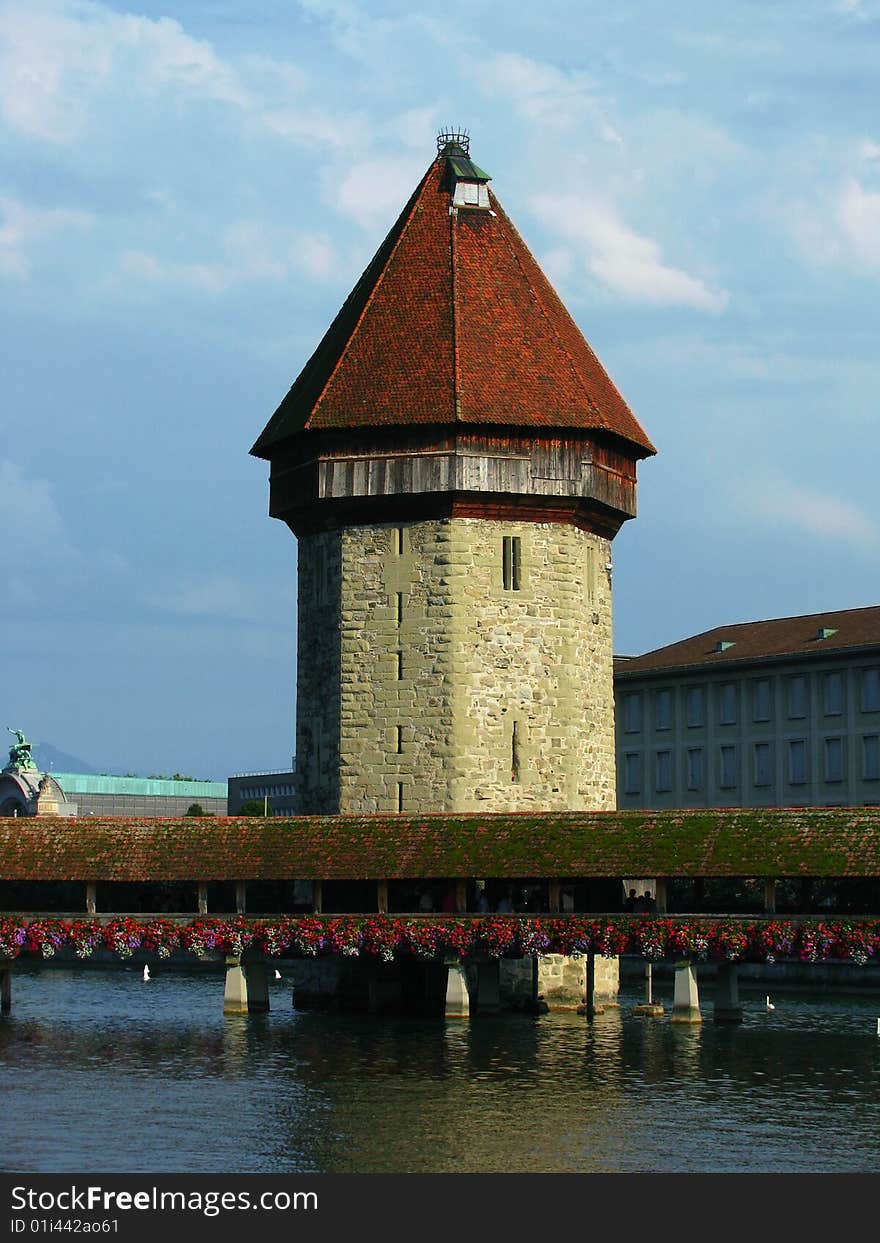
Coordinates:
column 275, row 790
column 771, row 713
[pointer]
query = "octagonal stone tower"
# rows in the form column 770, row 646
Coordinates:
column 454, row 462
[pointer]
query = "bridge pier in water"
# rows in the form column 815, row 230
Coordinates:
column 685, row 997
column 5, row 986
column 246, row 989
column 727, row 1006
column 458, row 1002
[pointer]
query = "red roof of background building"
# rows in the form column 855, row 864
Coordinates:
column 814, row 635
column 453, row 322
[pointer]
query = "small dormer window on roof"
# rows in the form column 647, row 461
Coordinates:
column 723, row 644
column 467, row 181
column 825, row 632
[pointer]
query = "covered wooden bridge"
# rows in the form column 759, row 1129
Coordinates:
column 429, row 889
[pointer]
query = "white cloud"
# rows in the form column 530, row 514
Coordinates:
column 771, row 497
column 56, row 59
column 22, row 226
column 544, row 95
column 627, row 263
column 372, row 196
column 858, row 215
column 34, row 533
column 215, row 596
column 208, row 277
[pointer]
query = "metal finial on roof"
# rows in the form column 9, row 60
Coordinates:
column 453, row 138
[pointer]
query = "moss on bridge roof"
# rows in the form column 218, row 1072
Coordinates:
column 827, row 841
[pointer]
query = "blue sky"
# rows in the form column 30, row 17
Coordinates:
column 187, row 193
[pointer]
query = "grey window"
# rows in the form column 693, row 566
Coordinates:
column 834, row 759
column 763, row 773
column 695, row 705
column 797, row 761
column 728, row 767
column 761, row 700
column 871, row 690
column 695, row 777
column 663, row 709
column 833, row 694
column 797, row 696
column 632, row 773
column 632, row 712
column 727, row 704
column 871, row 757
column 664, row 771
column 511, row 558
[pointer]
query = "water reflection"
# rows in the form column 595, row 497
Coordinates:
column 106, row 1073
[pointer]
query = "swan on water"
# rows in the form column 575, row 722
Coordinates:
column 277, row 974
column 769, row 1003
column 146, row 973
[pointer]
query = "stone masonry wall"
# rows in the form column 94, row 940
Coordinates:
column 425, row 685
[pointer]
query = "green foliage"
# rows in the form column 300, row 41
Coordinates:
column 251, row 807
column 195, row 809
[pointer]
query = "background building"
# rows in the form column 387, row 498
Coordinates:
column 84, row 794
column 276, row 791
column 140, row 796
column 771, row 713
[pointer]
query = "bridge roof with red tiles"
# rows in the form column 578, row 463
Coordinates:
column 809, row 636
column 453, row 322
column 744, row 842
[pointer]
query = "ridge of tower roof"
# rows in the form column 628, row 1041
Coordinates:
column 453, row 322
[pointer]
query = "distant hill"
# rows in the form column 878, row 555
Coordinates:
column 49, row 759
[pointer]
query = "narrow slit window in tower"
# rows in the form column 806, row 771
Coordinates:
column 511, row 561
column 400, row 796
column 398, row 541
column 399, row 666
column 514, row 752
column 398, row 740
column 399, row 608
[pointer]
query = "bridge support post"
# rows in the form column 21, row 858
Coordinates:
column 727, row 1007
column 649, row 1008
column 247, row 987
column 203, row 897
column 686, row 998
column 590, row 1007
column 488, row 986
column 5, row 986
column 91, row 901
column 458, row 1004
column 770, row 896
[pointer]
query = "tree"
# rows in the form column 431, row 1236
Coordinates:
column 195, row 809
column 251, row 807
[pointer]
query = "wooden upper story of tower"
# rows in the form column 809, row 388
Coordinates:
column 452, row 371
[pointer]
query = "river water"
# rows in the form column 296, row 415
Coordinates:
column 102, row 1072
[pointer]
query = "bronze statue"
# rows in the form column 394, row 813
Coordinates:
column 20, row 752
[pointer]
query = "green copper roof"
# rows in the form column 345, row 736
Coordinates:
column 85, row 783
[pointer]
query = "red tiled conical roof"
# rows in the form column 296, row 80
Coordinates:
column 453, row 322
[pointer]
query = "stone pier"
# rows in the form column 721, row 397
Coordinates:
column 5, row 986
column 488, row 986
column 458, row 1004
column 686, row 998
column 727, row 1007
column 247, row 986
